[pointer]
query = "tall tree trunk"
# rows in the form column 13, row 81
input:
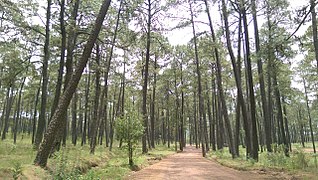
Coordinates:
column 62, row 59
column 220, row 87
column 57, row 119
column 237, row 74
column 59, row 82
column 237, row 126
column 270, row 101
column 18, row 111
column 182, row 131
column 214, row 106
column 152, row 116
column 69, row 64
column 280, row 119
column 9, row 103
column 3, row 111
column 168, row 128
column 268, row 137
column 301, row 127
column 254, row 138
column 288, row 138
column 145, row 79
column 80, row 117
column 74, row 118
column 219, row 125
column 195, row 120
column 176, row 109
column 42, row 121
column 84, row 133
column 198, row 72
column 105, row 89
column 309, row 117
column 314, row 28
column 95, row 122
column 35, row 113
column 112, row 118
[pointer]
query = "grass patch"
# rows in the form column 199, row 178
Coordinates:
column 117, row 167
column 72, row 162
column 299, row 162
column 15, row 157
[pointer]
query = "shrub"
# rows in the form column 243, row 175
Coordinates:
column 129, row 128
column 17, row 170
column 299, row 160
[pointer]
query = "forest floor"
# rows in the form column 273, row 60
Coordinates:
column 190, row 164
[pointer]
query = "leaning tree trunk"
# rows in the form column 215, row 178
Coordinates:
column 57, row 119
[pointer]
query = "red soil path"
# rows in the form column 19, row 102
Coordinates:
column 191, row 165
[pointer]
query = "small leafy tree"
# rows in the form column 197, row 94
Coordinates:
column 129, row 128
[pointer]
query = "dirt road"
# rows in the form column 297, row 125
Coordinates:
column 191, row 165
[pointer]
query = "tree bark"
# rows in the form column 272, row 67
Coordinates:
column 44, row 150
column 198, row 72
column 214, row 106
column 74, row 118
column 59, row 82
column 314, row 28
column 288, row 138
column 9, row 103
column 301, row 127
column 35, row 113
column 18, row 111
column 95, row 122
column 42, row 119
column 266, row 121
column 145, row 79
column 182, row 137
column 85, row 126
column 237, row 74
column 152, row 115
column 254, row 138
column 280, row 119
column 309, row 117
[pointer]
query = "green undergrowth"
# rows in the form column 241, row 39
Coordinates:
column 73, row 162
column 299, row 162
column 117, row 167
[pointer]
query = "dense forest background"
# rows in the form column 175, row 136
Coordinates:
column 246, row 78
